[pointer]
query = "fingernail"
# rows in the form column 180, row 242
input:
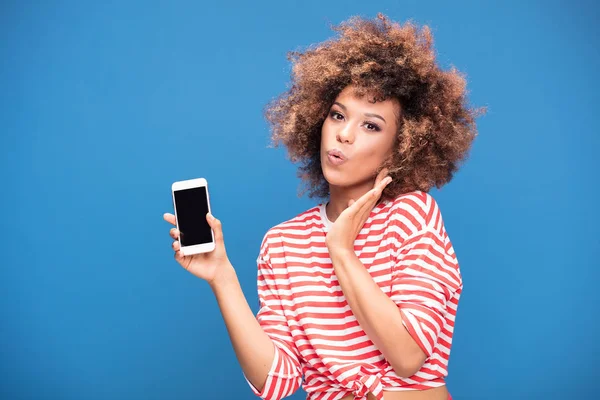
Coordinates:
column 210, row 217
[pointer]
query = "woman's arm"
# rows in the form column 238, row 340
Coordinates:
column 263, row 345
column 253, row 348
column 377, row 314
column 404, row 326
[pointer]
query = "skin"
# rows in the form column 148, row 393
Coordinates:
column 366, row 145
column 365, row 132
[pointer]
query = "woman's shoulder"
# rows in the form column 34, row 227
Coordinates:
column 415, row 198
column 302, row 221
column 415, row 211
column 298, row 226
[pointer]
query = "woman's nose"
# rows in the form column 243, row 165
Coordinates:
column 345, row 134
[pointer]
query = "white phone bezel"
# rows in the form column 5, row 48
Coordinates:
column 191, row 184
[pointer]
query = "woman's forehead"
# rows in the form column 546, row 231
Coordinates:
column 364, row 101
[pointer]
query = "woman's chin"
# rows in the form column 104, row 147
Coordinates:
column 336, row 178
column 345, row 178
column 342, row 180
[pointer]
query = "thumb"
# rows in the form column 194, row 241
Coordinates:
column 215, row 224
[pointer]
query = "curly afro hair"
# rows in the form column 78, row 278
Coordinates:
column 384, row 60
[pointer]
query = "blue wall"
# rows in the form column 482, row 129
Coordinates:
column 102, row 107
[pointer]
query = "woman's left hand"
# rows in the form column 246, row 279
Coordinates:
column 346, row 227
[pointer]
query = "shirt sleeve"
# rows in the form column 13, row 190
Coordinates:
column 425, row 281
column 285, row 375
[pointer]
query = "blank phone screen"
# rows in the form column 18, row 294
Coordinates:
column 191, row 206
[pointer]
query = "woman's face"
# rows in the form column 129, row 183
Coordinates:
column 356, row 138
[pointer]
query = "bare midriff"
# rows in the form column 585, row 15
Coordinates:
column 438, row 393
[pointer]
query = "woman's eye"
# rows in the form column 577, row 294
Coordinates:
column 335, row 115
column 372, row 127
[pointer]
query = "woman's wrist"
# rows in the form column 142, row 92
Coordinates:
column 224, row 277
column 340, row 255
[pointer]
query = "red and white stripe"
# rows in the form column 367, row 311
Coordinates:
column 406, row 250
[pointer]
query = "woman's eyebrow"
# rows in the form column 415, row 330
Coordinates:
column 343, row 107
column 375, row 116
column 340, row 104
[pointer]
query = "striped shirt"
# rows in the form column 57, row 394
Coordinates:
column 406, row 250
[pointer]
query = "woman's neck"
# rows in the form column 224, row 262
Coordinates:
column 340, row 196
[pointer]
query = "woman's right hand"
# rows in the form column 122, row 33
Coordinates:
column 213, row 267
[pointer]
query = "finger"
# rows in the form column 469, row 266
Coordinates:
column 356, row 207
column 380, row 176
column 176, row 246
column 366, row 206
column 174, row 233
column 369, row 200
column 384, row 182
column 170, row 218
column 379, row 187
column 178, row 256
column 378, row 190
column 215, row 224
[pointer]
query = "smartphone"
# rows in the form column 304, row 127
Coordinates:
column 191, row 204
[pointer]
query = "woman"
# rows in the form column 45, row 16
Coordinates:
column 357, row 295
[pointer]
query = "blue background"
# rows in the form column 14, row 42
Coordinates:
column 103, row 106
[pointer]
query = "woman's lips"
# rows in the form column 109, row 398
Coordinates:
column 336, row 157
